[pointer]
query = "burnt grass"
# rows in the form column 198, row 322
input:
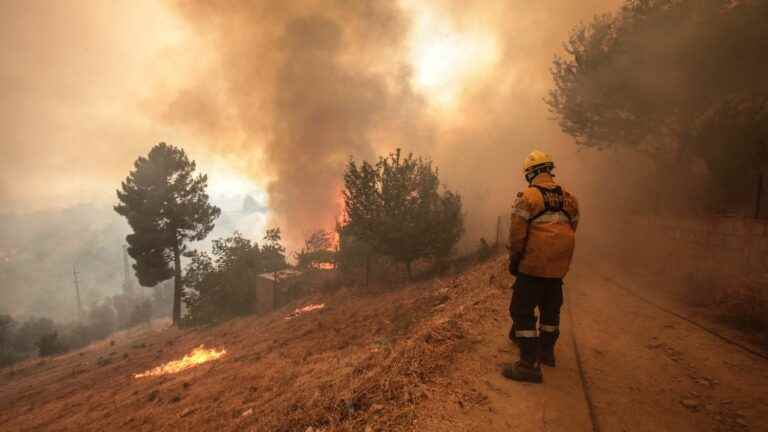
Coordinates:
column 367, row 360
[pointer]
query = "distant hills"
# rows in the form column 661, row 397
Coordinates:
column 38, row 251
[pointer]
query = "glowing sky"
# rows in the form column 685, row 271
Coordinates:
column 445, row 57
column 85, row 90
column 77, row 90
column 87, row 86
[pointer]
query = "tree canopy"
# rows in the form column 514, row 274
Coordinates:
column 733, row 137
column 165, row 204
column 317, row 250
column 7, row 324
column 645, row 76
column 396, row 206
column 222, row 282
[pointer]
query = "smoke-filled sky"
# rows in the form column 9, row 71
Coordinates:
column 277, row 95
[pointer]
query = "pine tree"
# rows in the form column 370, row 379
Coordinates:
column 166, row 205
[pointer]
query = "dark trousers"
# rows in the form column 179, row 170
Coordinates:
column 531, row 292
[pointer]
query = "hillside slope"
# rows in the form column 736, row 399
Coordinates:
column 423, row 357
column 365, row 360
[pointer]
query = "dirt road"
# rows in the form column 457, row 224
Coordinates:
column 645, row 370
column 652, row 371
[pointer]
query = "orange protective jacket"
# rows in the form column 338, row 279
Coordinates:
column 541, row 242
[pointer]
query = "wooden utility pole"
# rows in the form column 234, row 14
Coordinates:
column 77, row 293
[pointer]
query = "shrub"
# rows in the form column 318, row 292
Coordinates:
column 142, row 313
column 30, row 332
column 484, row 251
column 49, row 344
column 102, row 320
column 8, row 358
column 222, row 282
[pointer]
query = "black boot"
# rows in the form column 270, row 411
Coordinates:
column 527, row 369
column 547, row 350
column 547, row 357
column 523, row 371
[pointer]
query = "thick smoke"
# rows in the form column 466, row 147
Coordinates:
column 324, row 112
column 315, row 82
column 503, row 116
column 72, row 77
column 288, row 89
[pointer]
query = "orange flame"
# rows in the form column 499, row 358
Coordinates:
column 305, row 309
column 197, row 357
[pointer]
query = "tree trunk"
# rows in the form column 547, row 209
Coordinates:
column 176, row 284
column 408, row 269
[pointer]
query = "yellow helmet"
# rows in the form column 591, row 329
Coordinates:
column 536, row 163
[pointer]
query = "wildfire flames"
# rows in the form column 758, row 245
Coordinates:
column 197, row 357
column 305, row 309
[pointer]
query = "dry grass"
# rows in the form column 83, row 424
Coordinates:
column 365, row 361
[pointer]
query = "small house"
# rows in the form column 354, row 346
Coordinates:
column 274, row 289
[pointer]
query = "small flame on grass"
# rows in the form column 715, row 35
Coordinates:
column 197, row 357
column 305, row 309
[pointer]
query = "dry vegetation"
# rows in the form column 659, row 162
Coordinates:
column 365, row 362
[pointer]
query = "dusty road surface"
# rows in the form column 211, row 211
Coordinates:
column 650, row 370
column 423, row 357
column 644, row 370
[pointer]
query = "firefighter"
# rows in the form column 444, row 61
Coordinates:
column 541, row 242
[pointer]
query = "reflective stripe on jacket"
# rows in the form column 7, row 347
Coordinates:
column 542, row 246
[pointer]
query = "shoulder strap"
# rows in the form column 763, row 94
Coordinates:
column 554, row 201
